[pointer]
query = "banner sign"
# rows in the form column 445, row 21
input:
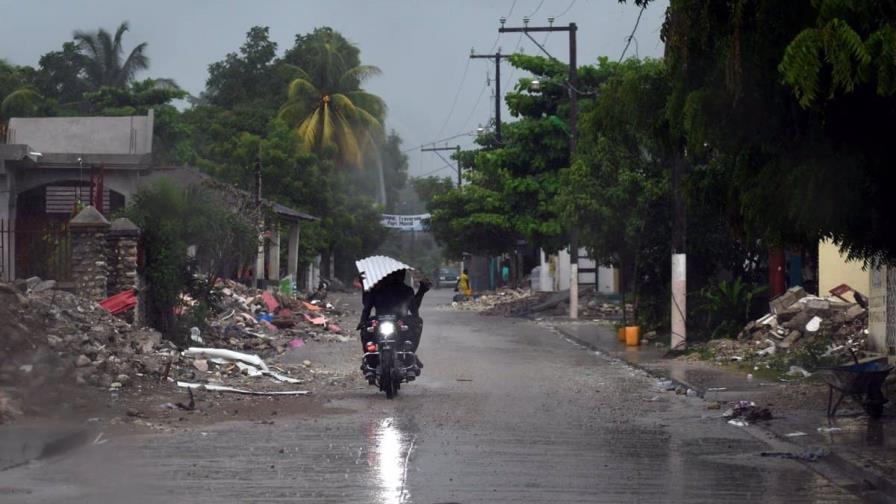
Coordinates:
column 405, row 222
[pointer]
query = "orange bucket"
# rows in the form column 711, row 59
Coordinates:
column 621, row 334
column 632, row 336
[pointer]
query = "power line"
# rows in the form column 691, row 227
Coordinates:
column 536, row 9
column 475, row 105
column 434, row 171
column 558, row 16
column 498, row 38
column 460, row 88
column 628, row 42
column 433, row 142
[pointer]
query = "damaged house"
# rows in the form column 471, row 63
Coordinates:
column 51, row 168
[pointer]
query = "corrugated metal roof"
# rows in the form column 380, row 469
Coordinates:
column 375, row 268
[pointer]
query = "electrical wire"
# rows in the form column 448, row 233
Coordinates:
column 475, row 105
column 558, row 16
column 628, row 41
column 460, row 88
column 537, row 9
column 433, row 172
column 498, row 38
column 433, row 142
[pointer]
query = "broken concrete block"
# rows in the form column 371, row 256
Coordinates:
column 854, row 312
column 44, row 286
column 790, row 339
column 787, row 299
column 82, row 361
column 798, row 322
column 789, row 313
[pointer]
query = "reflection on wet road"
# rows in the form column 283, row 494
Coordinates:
column 390, row 450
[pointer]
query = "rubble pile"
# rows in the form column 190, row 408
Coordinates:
column 504, row 301
column 250, row 319
column 54, row 338
column 796, row 322
column 509, row 302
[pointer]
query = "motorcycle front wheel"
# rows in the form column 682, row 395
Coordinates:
column 387, row 379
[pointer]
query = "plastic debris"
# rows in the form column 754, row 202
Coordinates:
column 221, row 388
column 825, row 430
column 194, row 335
column 798, row 371
column 814, row 324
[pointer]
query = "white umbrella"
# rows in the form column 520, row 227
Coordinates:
column 375, row 268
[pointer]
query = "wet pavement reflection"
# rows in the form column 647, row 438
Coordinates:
column 388, row 454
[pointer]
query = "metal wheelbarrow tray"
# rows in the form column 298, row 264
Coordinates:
column 861, row 381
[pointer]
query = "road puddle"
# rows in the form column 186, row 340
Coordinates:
column 390, row 449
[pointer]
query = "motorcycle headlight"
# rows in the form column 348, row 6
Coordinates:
column 387, row 328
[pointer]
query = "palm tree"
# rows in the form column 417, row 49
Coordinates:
column 104, row 65
column 332, row 115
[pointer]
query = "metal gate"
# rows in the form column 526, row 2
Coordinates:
column 41, row 249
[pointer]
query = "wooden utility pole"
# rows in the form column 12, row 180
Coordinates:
column 572, row 85
column 259, row 259
column 456, row 149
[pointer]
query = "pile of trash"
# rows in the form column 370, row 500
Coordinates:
column 53, row 338
column 799, row 320
column 250, row 319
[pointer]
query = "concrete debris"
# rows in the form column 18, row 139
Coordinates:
column 60, row 337
column 798, row 323
column 747, row 411
column 511, row 302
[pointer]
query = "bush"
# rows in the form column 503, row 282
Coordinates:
column 172, row 219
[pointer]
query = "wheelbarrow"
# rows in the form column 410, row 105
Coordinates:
column 861, row 381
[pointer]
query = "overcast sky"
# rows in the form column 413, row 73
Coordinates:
column 422, row 46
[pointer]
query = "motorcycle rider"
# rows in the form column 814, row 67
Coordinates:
column 392, row 296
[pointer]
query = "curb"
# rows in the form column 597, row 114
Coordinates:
column 867, row 484
column 652, row 372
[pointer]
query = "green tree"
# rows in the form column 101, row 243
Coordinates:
column 171, row 219
column 17, row 96
column 104, row 61
column 332, row 115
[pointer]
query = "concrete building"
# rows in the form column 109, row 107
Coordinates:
column 51, row 166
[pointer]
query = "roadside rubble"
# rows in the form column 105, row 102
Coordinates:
column 829, row 330
column 55, row 339
column 511, row 302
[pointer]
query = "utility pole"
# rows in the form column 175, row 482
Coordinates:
column 572, row 87
column 456, row 149
column 259, row 259
column 497, row 57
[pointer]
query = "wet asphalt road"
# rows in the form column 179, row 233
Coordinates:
column 506, row 411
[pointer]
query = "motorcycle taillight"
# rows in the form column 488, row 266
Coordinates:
column 371, row 346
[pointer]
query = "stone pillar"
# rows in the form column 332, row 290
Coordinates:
column 89, row 266
column 121, row 255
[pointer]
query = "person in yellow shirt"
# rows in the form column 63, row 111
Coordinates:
column 463, row 284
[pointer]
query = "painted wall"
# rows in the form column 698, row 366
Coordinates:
column 83, row 135
column 834, row 269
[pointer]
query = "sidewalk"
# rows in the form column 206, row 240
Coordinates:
column 862, row 450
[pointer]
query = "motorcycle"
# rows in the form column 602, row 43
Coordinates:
column 388, row 357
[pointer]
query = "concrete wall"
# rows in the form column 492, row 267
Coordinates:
column 83, row 135
column 877, row 310
column 834, row 269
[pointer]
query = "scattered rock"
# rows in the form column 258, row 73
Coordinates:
column 82, row 361
column 201, row 365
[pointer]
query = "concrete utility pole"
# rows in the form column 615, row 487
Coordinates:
column 456, row 149
column 572, row 87
column 497, row 57
column 259, row 259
